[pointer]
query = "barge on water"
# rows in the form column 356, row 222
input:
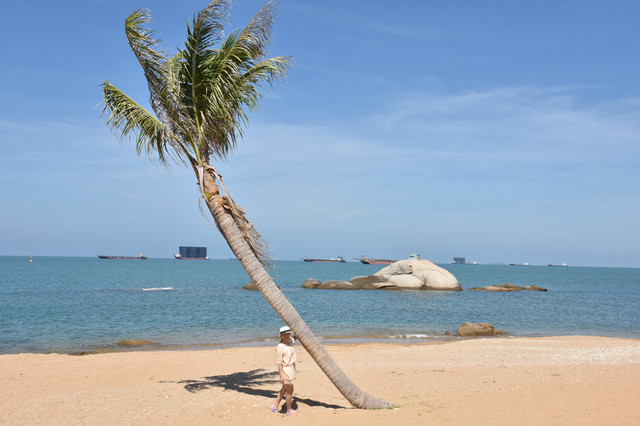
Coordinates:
column 140, row 256
column 338, row 259
column 191, row 253
column 371, row 261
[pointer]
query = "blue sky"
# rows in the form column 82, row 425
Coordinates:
column 499, row 131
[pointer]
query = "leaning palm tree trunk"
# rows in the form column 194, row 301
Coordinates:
column 200, row 97
column 243, row 251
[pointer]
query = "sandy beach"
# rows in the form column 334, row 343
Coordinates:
column 553, row 380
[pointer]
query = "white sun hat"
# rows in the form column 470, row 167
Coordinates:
column 285, row 329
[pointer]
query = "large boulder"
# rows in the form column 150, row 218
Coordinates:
column 311, row 283
column 418, row 275
column 401, row 275
column 479, row 329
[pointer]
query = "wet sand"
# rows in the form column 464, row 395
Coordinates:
column 575, row 380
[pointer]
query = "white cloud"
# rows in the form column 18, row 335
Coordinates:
column 507, row 127
column 516, row 124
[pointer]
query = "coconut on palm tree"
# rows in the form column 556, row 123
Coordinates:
column 200, row 98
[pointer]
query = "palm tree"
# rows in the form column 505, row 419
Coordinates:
column 200, row 97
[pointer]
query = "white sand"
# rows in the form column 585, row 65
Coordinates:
column 500, row 381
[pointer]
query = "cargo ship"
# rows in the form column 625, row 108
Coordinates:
column 339, row 259
column 140, row 256
column 371, row 261
column 191, row 253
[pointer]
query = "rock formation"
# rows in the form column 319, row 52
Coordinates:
column 401, row 275
column 479, row 329
column 330, row 285
column 508, row 287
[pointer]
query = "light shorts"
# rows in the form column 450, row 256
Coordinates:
column 290, row 372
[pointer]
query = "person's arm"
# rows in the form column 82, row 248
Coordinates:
column 279, row 361
column 282, row 375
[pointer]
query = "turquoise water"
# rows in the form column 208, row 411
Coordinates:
column 71, row 305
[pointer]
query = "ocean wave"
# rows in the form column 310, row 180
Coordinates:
column 382, row 336
column 416, row 336
column 157, row 289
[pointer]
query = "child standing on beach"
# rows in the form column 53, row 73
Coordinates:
column 286, row 359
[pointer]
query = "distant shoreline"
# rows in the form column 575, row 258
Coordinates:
column 261, row 343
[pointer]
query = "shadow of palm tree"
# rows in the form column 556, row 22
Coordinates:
column 249, row 382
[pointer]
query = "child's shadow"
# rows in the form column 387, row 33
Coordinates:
column 249, row 382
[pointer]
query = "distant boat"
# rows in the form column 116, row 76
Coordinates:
column 140, row 256
column 372, row 261
column 563, row 264
column 339, row 259
column 520, row 264
column 462, row 261
column 191, row 253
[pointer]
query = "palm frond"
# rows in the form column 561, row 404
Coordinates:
column 155, row 64
column 260, row 75
column 127, row 118
column 143, row 46
column 196, row 79
column 256, row 37
column 163, row 82
column 234, row 73
column 206, row 30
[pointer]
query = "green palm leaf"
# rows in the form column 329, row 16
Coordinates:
column 127, row 118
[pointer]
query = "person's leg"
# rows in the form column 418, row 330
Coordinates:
column 289, row 395
column 279, row 398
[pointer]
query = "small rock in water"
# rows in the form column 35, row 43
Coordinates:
column 252, row 286
column 507, row 287
column 136, row 342
column 479, row 329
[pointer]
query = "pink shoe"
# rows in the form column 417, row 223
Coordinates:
column 274, row 409
column 292, row 412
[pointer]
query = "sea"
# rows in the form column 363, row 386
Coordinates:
column 88, row 305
